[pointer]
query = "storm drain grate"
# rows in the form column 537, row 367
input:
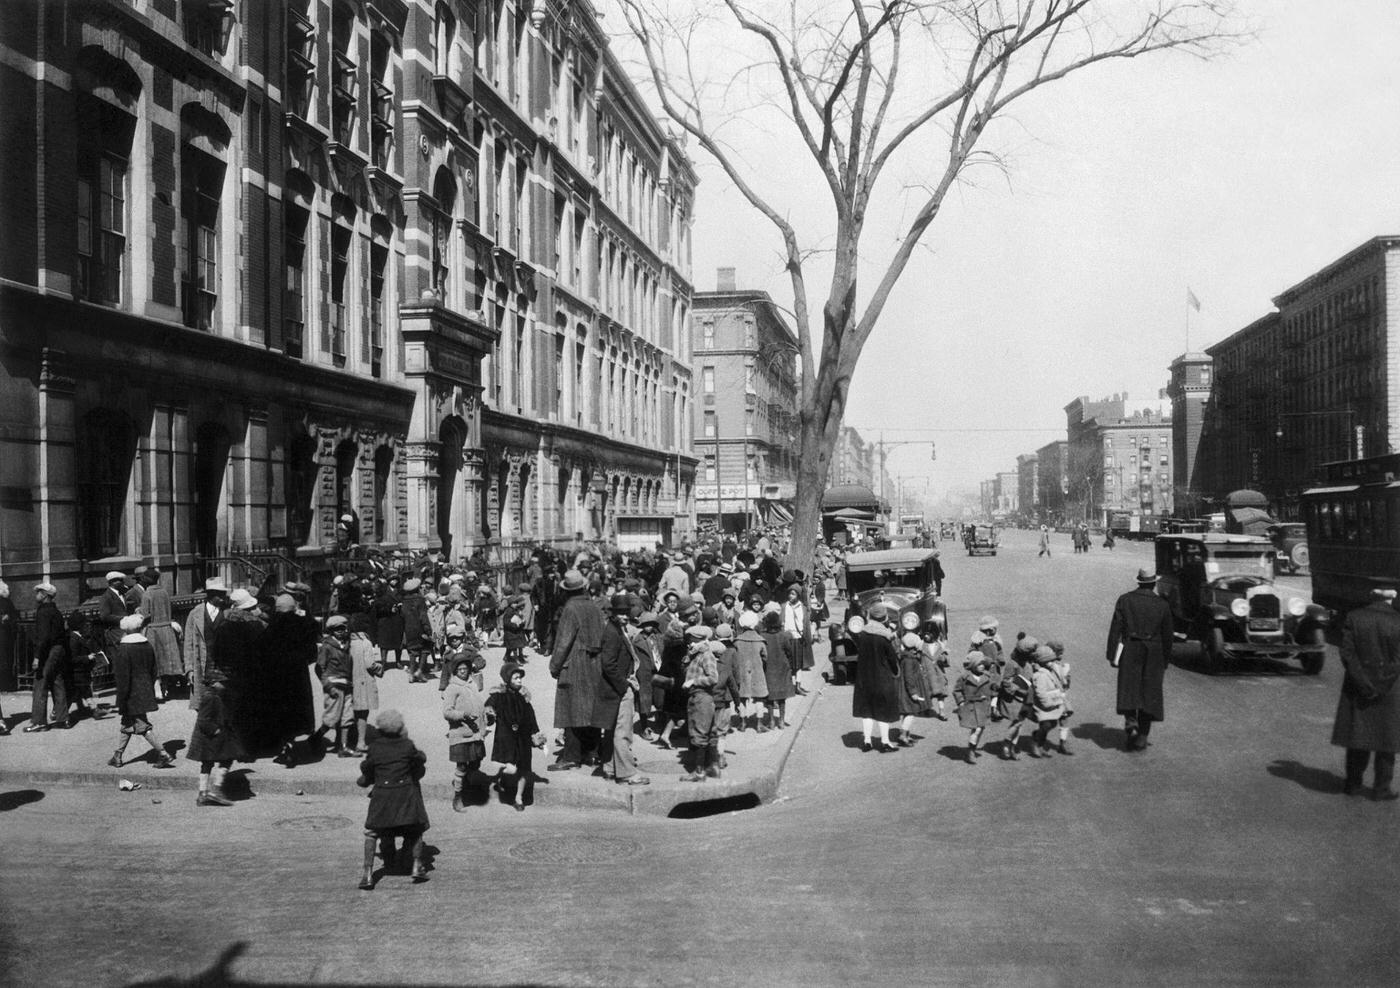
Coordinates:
column 574, row 850
column 313, row 823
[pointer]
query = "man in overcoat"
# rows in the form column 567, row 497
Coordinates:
column 618, row 668
column 576, row 667
column 53, row 659
column 1139, row 647
column 199, row 632
column 1368, row 711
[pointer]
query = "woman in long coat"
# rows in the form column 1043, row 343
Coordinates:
column 163, row 635
column 577, row 667
column 753, row 681
column 289, row 649
column 876, row 697
column 365, row 670
column 388, row 625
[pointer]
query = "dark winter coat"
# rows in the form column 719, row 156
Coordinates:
column 388, row 622
column 134, row 675
column 393, row 767
column 914, row 687
column 111, row 608
column 417, row 632
column 1368, row 711
column 213, row 738
column 777, row 670
column 752, row 649
column 1142, row 624
column 616, row 662
column 877, row 685
column 575, row 663
column 288, row 650
column 516, row 727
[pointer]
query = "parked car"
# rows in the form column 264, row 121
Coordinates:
column 1291, row 540
column 980, row 540
column 1222, row 595
column 901, row 579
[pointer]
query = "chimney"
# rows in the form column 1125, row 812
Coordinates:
column 724, row 280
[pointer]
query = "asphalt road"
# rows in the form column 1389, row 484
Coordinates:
column 1224, row 854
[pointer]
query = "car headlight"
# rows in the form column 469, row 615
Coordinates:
column 856, row 625
column 1297, row 607
column 1239, row 607
column 909, row 621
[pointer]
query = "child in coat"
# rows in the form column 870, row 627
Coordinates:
column 393, row 768
column 914, row 690
column 517, row 732
column 1017, row 691
column 1049, row 697
column 1060, row 668
column 214, row 744
column 935, row 663
column 727, row 688
column 701, row 677
column 973, row 696
column 464, row 709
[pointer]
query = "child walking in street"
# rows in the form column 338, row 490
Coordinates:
column 1049, row 698
column 393, row 768
column 1016, row 693
column 935, row 663
column 1060, row 668
column 973, row 695
column 913, row 687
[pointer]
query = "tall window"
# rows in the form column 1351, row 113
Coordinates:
column 294, row 289
column 707, row 380
column 344, row 74
column 202, row 181
column 748, row 421
column 558, row 408
column 711, row 425
column 517, row 360
column 444, row 34
column 378, row 267
column 710, row 469
column 207, row 24
column 445, row 193
column 517, row 220
column 708, row 329
column 381, row 100
column 103, row 476
column 101, row 228
column 340, row 268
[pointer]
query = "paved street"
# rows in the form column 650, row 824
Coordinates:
column 1223, row 854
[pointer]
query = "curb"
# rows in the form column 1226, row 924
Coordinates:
column 658, row 801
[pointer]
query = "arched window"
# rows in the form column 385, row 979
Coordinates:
column 444, row 36
column 445, row 197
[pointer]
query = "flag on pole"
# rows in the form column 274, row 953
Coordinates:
column 1192, row 300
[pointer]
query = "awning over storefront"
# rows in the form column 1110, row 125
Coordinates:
column 775, row 512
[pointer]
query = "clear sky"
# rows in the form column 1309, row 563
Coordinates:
column 1236, row 178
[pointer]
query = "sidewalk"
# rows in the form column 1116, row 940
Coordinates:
column 78, row 756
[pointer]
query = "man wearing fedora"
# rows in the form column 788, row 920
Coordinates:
column 1139, row 647
column 199, row 632
column 618, row 667
column 1368, row 710
column 576, row 667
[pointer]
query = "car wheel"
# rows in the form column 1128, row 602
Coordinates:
column 1299, row 556
column 1312, row 661
column 1213, row 650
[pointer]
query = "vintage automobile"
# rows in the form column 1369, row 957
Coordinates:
column 980, row 539
column 1222, row 595
column 1291, row 540
column 903, row 580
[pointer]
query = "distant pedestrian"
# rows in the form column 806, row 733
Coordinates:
column 1139, row 647
column 391, row 771
column 1044, row 542
column 1368, row 710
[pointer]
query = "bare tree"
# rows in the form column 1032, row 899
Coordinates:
column 870, row 88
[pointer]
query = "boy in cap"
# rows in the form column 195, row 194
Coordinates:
column 334, row 668
column 701, row 676
column 393, row 767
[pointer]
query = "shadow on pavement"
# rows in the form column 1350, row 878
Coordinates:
column 1315, row 779
column 220, row 975
column 1107, row 738
column 852, row 739
column 20, row 797
column 954, row 752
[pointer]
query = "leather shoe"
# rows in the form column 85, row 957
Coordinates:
column 1139, row 743
column 561, row 766
column 866, row 746
column 35, row 728
column 1351, row 789
column 635, row 780
column 885, row 749
column 1385, row 795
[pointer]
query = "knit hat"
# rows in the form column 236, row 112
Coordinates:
column 988, row 623
column 390, row 722
column 509, row 670
column 285, row 603
column 911, row 640
column 1057, row 647
column 1044, row 653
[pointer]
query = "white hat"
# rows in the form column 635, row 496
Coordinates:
column 115, row 574
column 47, row 588
column 215, row 584
column 132, row 622
column 243, row 600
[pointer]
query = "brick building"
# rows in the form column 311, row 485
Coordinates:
column 425, row 264
column 1028, row 486
column 1316, row 380
column 746, row 425
column 1189, row 390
